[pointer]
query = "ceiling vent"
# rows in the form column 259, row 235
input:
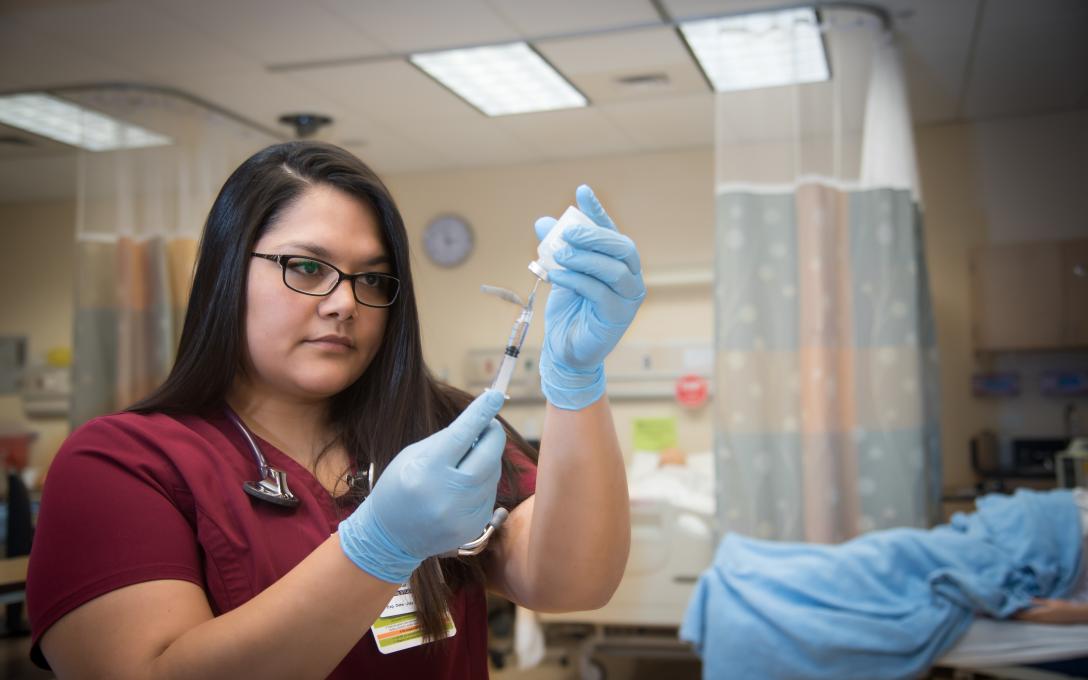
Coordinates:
column 305, row 124
column 644, row 81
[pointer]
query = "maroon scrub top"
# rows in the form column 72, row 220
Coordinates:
column 134, row 497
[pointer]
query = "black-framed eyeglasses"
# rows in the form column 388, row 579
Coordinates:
column 311, row 276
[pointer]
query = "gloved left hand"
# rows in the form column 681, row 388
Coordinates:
column 435, row 495
column 591, row 304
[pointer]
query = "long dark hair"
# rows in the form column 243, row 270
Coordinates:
column 394, row 403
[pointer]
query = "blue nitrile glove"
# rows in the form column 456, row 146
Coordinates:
column 424, row 504
column 591, row 304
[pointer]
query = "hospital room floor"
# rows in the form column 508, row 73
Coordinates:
column 642, row 669
column 616, row 668
column 15, row 665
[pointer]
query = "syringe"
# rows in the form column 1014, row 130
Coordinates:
column 517, row 336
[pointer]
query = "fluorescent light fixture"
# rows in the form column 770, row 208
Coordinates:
column 767, row 49
column 72, row 124
column 501, row 79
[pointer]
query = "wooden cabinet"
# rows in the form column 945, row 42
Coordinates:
column 1075, row 290
column 1030, row 296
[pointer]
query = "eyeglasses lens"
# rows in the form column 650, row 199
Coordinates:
column 317, row 278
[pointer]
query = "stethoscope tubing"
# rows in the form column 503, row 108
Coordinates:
column 272, row 488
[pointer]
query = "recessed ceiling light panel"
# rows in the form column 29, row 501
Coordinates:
column 501, row 79
column 55, row 118
column 759, row 50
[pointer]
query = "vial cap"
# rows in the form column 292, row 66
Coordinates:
column 540, row 272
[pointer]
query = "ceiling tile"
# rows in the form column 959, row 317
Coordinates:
column 570, row 133
column 677, row 122
column 133, row 33
column 382, row 149
column 694, row 9
column 1029, row 57
column 398, row 97
column 261, row 97
column 404, row 99
column 594, row 64
column 275, row 31
column 465, row 141
column 386, row 90
column 935, row 39
column 417, row 25
column 570, row 17
column 29, row 62
column 632, row 51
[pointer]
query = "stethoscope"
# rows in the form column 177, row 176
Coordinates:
column 272, row 488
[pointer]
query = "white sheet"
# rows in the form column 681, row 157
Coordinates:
column 997, row 643
column 688, row 487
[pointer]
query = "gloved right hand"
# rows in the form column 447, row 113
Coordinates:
column 592, row 302
column 426, row 504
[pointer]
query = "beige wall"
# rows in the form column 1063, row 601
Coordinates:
column 980, row 183
column 954, row 223
column 1033, row 176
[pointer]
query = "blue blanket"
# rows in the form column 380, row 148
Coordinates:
column 884, row 605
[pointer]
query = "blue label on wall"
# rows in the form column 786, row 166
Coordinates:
column 1064, row 383
column 995, row 384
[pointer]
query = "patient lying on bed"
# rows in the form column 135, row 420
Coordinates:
column 889, row 603
column 1054, row 611
column 1074, row 609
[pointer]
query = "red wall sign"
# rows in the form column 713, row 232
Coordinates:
column 692, row 390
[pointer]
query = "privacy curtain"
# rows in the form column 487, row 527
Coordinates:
column 139, row 215
column 826, row 414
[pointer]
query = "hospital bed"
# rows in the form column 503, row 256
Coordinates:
column 672, row 542
column 669, row 549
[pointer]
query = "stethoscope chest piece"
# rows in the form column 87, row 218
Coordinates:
column 273, row 488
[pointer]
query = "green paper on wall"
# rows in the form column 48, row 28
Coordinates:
column 654, row 434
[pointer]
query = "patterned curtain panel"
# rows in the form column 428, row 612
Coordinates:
column 826, row 368
column 139, row 215
column 132, row 304
column 826, row 364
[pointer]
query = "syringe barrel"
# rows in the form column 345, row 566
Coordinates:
column 506, row 372
column 520, row 329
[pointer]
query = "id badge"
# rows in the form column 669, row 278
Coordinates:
column 398, row 626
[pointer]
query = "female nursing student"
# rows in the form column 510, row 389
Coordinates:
column 150, row 561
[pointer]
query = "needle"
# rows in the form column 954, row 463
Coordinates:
column 532, row 296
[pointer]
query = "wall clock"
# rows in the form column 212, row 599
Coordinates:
column 448, row 240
